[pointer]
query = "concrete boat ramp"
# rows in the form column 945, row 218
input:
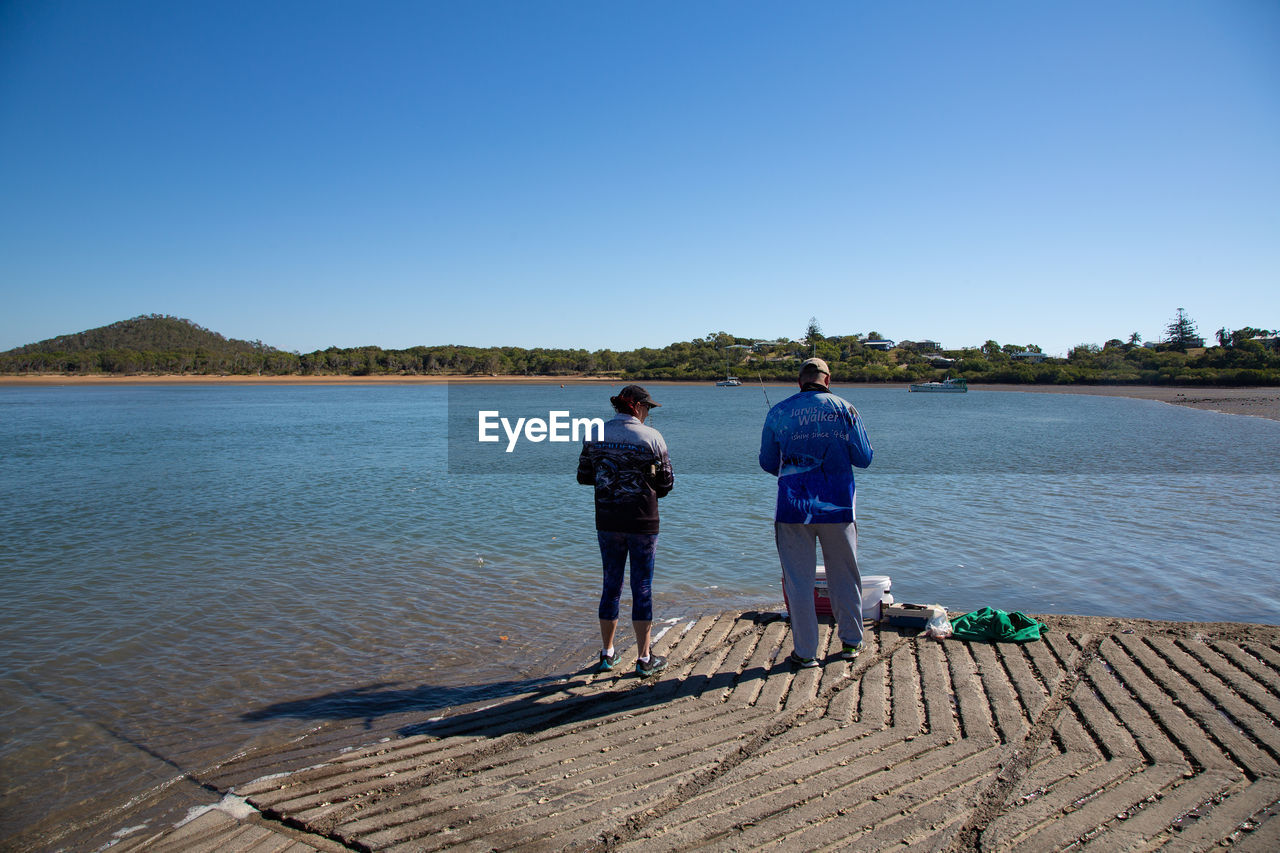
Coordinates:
column 1108, row 734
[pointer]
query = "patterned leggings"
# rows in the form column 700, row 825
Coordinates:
column 614, row 548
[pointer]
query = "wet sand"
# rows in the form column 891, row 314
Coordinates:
column 1254, row 402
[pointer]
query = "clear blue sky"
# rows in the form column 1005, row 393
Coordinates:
column 626, row 174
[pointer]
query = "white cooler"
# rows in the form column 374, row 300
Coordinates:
column 875, row 591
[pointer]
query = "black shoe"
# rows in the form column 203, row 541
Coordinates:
column 607, row 663
column 655, row 664
column 803, row 663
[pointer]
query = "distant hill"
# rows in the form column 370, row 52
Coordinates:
column 148, row 333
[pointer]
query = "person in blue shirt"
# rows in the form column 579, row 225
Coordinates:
column 811, row 442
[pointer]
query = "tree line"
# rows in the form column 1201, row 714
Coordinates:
column 183, row 348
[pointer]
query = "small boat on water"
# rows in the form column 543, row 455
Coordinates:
column 946, row 386
column 728, row 382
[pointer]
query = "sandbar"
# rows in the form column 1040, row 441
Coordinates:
column 1254, row 402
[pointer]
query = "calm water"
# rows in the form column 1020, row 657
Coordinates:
column 186, row 572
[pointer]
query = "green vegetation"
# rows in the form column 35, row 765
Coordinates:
column 158, row 344
column 151, row 343
column 1182, row 332
column 1117, row 363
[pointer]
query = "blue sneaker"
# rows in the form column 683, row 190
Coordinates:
column 655, row 664
column 608, row 662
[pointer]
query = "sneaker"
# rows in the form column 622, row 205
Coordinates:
column 607, row 663
column 655, row 664
column 804, row 663
column 850, row 652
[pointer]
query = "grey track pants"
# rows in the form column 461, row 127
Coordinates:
column 799, row 561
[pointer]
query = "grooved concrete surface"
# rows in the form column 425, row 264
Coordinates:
column 1107, row 735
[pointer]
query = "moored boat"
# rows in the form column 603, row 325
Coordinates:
column 946, row 386
column 728, row 382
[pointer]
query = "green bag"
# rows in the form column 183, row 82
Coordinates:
column 996, row 626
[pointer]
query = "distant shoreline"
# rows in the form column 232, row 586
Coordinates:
column 1263, row 402
column 103, row 379
column 1253, row 402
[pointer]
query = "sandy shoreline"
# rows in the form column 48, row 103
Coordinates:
column 1254, row 402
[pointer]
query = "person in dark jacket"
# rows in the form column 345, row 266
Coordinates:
column 630, row 470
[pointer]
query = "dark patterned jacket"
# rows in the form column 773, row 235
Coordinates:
column 630, row 470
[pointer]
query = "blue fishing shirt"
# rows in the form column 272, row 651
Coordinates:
column 812, row 441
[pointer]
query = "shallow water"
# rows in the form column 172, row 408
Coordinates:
column 188, row 571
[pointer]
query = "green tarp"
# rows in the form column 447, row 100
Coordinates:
column 997, row 626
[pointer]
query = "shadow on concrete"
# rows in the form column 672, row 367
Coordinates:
column 527, row 705
column 379, row 700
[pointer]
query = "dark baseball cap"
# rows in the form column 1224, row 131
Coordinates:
column 638, row 395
